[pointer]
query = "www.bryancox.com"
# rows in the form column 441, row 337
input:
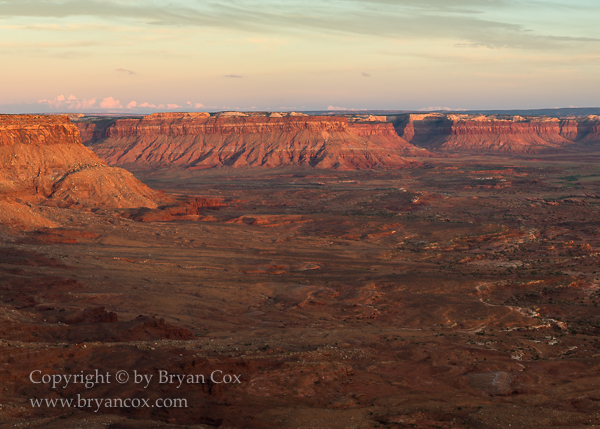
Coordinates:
column 143, row 380
column 98, row 403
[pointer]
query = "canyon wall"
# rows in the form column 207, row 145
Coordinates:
column 589, row 130
column 384, row 136
column 495, row 133
column 199, row 140
column 44, row 162
column 233, row 139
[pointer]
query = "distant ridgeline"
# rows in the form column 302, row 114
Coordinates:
column 350, row 141
column 233, row 139
column 496, row 133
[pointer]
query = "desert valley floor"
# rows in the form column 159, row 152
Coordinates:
column 462, row 293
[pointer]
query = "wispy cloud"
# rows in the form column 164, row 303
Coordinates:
column 440, row 109
column 338, row 108
column 134, row 105
column 129, row 72
column 491, row 23
column 452, row 52
column 195, row 105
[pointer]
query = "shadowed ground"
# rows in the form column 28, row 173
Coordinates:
column 462, row 294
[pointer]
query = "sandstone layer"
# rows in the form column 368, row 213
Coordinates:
column 44, row 161
column 385, row 136
column 198, row 141
column 496, row 133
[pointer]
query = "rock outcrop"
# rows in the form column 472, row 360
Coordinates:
column 384, row 136
column 198, row 141
column 43, row 161
column 588, row 130
column 496, row 133
column 234, row 139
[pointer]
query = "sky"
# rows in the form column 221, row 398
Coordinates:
column 142, row 56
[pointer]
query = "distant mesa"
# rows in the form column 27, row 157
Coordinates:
column 496, row 133
column 44, row 162
column 251, row 139
column 230, row 114
column 179, row 115
column 347, row 141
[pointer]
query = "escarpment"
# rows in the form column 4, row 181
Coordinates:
column 496, row 133
column 44, row 162
column 199, row 140
column 589, row 130
column 385, row 136
column 239, row 140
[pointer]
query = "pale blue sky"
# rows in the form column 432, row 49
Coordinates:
column 140, row 55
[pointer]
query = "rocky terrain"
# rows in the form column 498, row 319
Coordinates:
column 460, row 293
column 44, row 163
column 457, row 133
column 198, row 141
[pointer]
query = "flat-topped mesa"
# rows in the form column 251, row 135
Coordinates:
column 176, row 125
column 192, row 124
column 501, row 133
column 44, row 161
column 197, row 140
column 37, row 130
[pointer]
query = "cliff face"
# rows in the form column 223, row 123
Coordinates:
column 37, row 130
column 589, row 130
column 452, row 132
column 198, row 140
column 385, row 136
column 43, row 161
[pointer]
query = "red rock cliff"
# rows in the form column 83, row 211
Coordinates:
column 385, row 136
column 44, row 161
column 589, row 130
column 494, row 133
column 198, row 140
column 37, row 130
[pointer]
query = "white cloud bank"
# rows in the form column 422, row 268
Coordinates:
column 109, row 104
column 70, row 103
